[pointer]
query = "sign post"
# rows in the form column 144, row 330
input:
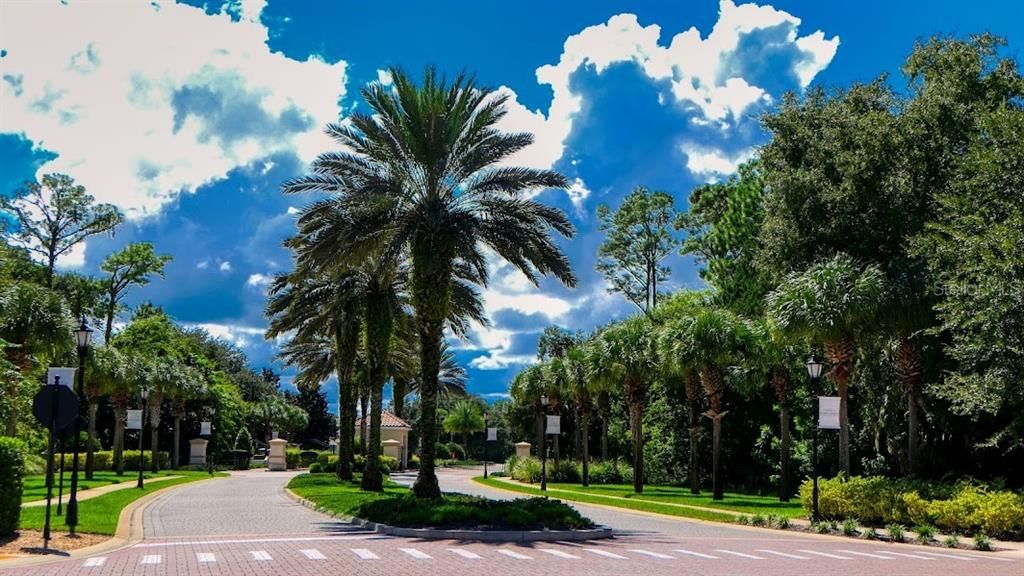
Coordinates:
column 54, row 407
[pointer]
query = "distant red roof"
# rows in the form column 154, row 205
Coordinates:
column 387, row 420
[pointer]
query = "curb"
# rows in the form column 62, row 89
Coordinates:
column 479, row 535
column 129, row 532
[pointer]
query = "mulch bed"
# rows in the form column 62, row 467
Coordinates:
column 25, row 542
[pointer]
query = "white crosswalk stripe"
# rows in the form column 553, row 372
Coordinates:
column 784, row 554
column 990, row 557
column 205, row 557
column 151, row 559
column 866, row 555
column 953, row 556
column 826, row 555
column 95, row 562
column 365, row 554
column 466, row 553
column 740, row 554
column 514, row 554
column 653, row 554
column 558, row 553
column 697, row 554
column 313, row 554
column 605, row 553
column 261, row 555
column 914, row 556
column 419, row 555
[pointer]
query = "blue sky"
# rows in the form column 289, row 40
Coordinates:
column 190, row 116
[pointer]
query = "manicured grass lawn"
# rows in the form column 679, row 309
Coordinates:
column 35, row 486
column 396, row 506
column 99, row 515
column 674, row 501
column 342, row 498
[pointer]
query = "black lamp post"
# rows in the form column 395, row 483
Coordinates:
column 485, row 445
column 544, row 446
column 814, row 367
column 82, row 336
column 143, row 394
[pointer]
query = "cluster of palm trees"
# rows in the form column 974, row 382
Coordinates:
column 408, row 212
column 693, row 340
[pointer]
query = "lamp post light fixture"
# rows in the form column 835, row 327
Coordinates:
column 544, row 446
column 814, row 367
column 82, row 337
column 143, row 395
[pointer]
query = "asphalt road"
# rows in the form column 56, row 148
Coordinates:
column 245, row 525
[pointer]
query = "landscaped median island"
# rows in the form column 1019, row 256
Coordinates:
column 397, row 507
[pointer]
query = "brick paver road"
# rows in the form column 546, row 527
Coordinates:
column 285, row 539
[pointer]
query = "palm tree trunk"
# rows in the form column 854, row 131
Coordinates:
column 91, row 436
column 398, row 391
column 364, row 407
column 908, row 371
column 693, row 398
column 378, row 339
column 540, row 431
column 155, row 399
column 840, row 356
column 465, row 444
column 604, row 406
column 636, row 422
column 373, row 479
column 120, row 414
column 175, row 455
column 780, row 381
column 346, row 336
column 716, row 459
column 585, row 441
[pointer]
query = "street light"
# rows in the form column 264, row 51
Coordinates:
column 82, row 336
column 814, row 367
column 143, row 394
column 485, row 445
column 544, row 446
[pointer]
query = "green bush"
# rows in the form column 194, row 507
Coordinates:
column 12, row 470
column 895, row 532
column 925, row 534
column 526, row 470
column 951, row 541
column 462, row 511
column 34, row 465
column 611, row 472
column 564, row 471
column 307, row 457
column 131, row 460
column 981, row 542
column 849, row 527
column 963, row 508
column 757, row 520
column 101, row 460
column 292, row 457
column 315, row 468
column 193, row 468
column 456, row 449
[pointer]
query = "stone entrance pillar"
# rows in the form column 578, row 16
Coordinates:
column 197, row 452
column 393, row 448
column 276, row 461
column 523, row 449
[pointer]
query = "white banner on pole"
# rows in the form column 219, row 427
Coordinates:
column 828, row 412
column 62, row 376
column 273, row 434
column 492, row 434
column 204, row 428
column 134, row 420
column 554, row 425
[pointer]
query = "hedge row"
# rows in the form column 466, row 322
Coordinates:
column 104, row 460
column 529, row 470
column 329, row 462
column 964, row 508
column 12, row 465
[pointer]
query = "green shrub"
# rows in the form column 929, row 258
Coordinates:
column 459, row 510
column 743, row 519
column 193, row 468
column 414, row 462
column 895, row 532
column 315, row 468
column 292, row 458
column 981, row 542
column 963, row 507
column 925, row 534
column 782, row 522
column 307, row 457
column 12, row 470
column 820, row 527
column 564, row 471
column 869, row 534
column 951, row 541
column 757, row 520
column 849, row 527
column 610, row 472
column 131, row 460
column 526, row 470
column 34, row 465
column 456, row 449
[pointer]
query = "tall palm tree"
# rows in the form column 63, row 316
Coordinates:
column 528, row 389
column 34, row 321
column 831, row 302
column 581, row 389
column 420, row 174
column 464, row 418
column 625, row 354
column 106, row 373
column 712, row 341
column 775, row 357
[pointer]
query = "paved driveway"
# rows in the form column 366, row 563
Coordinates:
column 244, row 525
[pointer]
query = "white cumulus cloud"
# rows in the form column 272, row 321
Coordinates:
column 142, row 102
column 711, row 163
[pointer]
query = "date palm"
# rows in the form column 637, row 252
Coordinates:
column 625, row 355
column 831, row 302
column 712, row 341
column 528, row 388
column 107, row 371
column 464, row 418
column 581, row 390
column 419, row 175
